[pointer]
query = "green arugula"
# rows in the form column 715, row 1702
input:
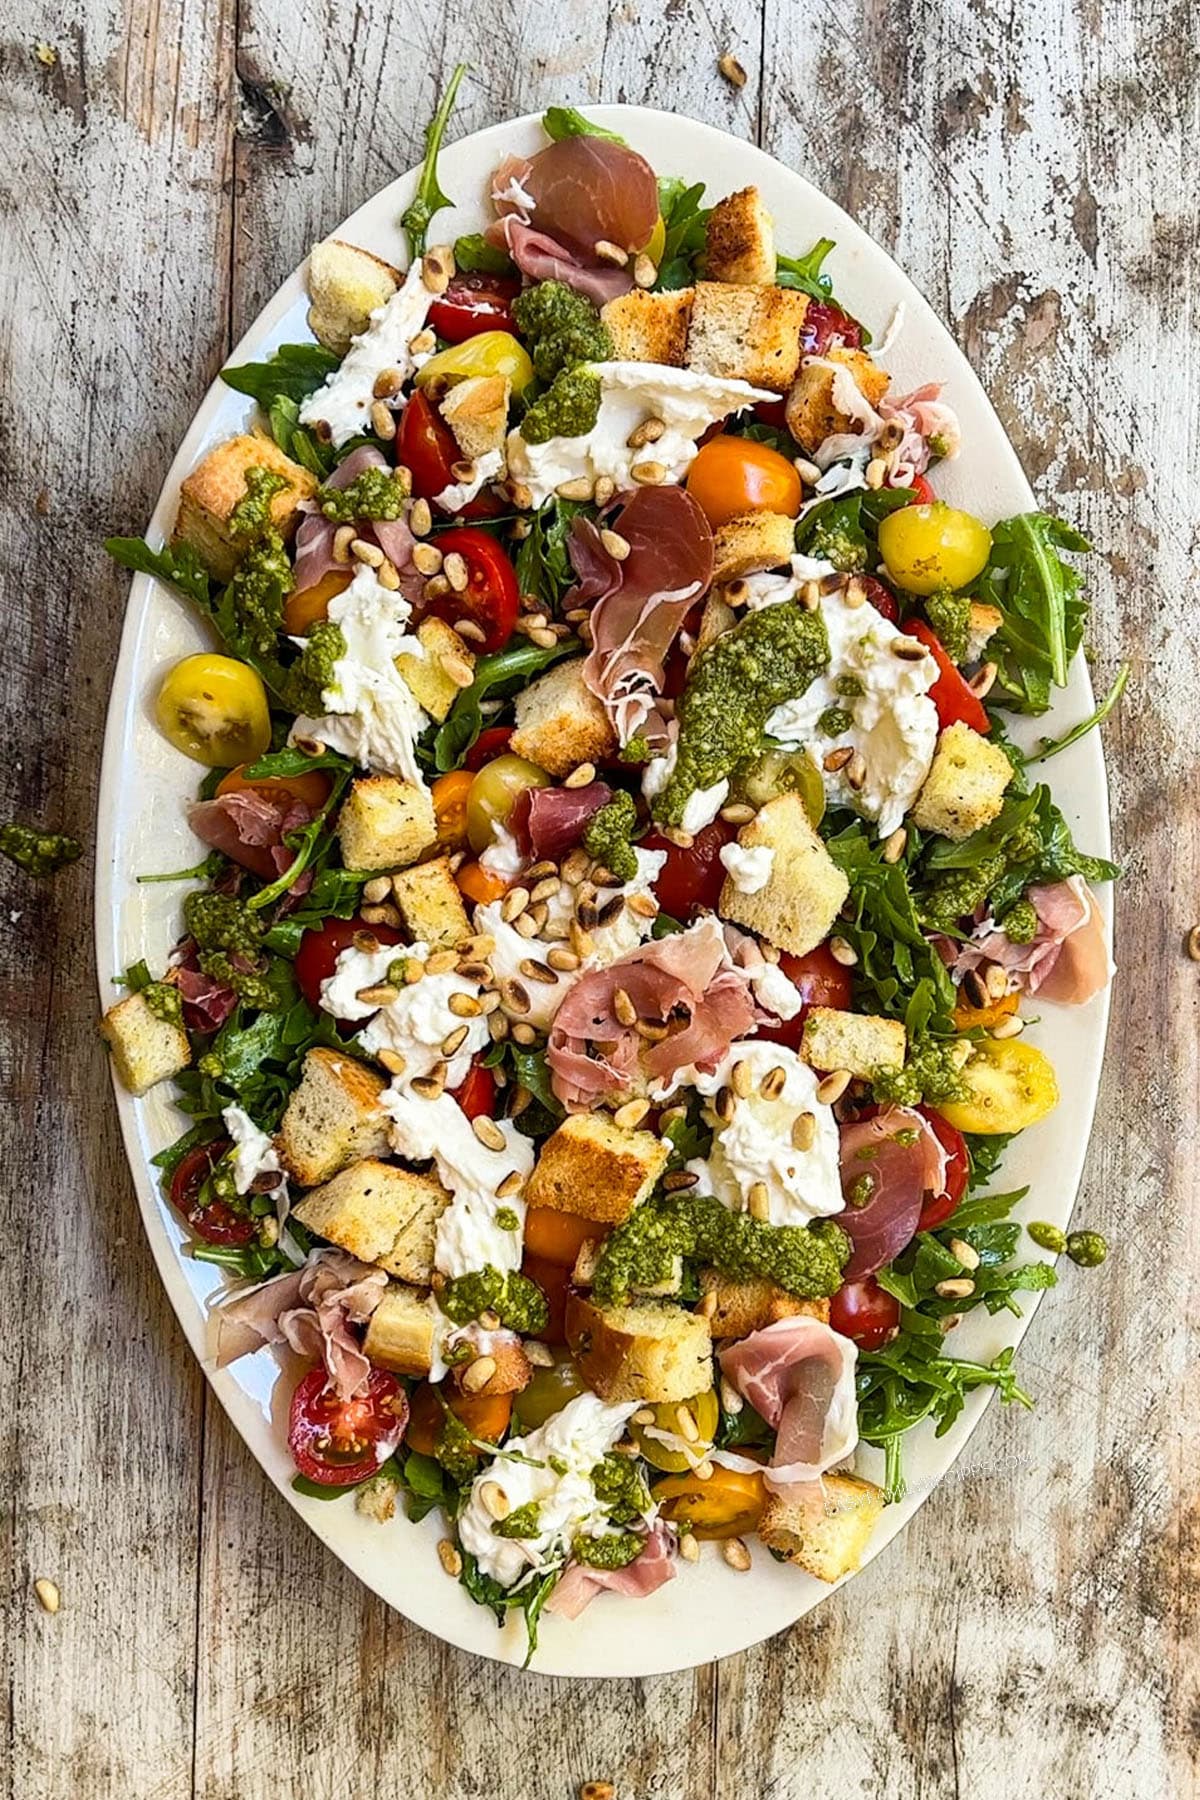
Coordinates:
column 496, row 676
column 292, row 372
column 207, row 870
column 429, row 198
column 845, row 530
column 686, row 224
column 179, row 566
column 543, row 564
column 473, row 254
column 1042, row 603
column 898, row 972
column 806, row 274
column 528, row 1599
column 566, row 121
column 1052, row 746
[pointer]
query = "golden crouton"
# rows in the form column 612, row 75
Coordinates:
column 747, row 333
column 650, row 328
column 752, row 541
column 745, row 1306
column 741, row 239
column 431, row 905
column 983, row 622
column 385, row 823
column 333, row 1118
column 211, row 491
column 813, row 413
column 822, row 1527
column 400, row 1336
column 864, row 1043
column 380, row 1213
column 594, row 1168
column 560, row 722
column 346, row 286
column 965, row 786
column 649, row 1351
column 476, row 410
column 436, row 679
column 145, row 1049
column 805, row 889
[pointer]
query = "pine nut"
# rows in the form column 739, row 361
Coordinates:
column 393, row 1062
column 894, row 846
column 837, row 759
column 380, row 915
column 876, row 472
column 731, row 1400
column 732, row 70
column 48, row 1596
column 679, row 1179
column 741, row 1080
column 833, row 1086
column 648, row 432
column 428, row 1087
column 343, row 537
column 907, row 649
column 958, row 1289
column 420, row 520
column 736, row 1554
column 759, row 1201
column 377, row 890
column 581, row 776
column 966, row 1253
column 724, row 1104
column 511, row 1184
column 367, row 553
column 842, row 952
column 514, row 997
column 427, row 559
column 708, row 1302
column 545, row 889
column 1011, row 1027
column 617, row 546
column 488, row 1132
column 494, row 1500
column 383, row 993
column 537, row 971
column 514, row 904
column 437, row 268
column 610, row 253
column 581, row 487
column 645, row 273
column 773, row 1083
column 804, row 1131
column 388, row 576
column 464, row 1006
column 738, row 813
column 648, row 474
column 689, row 1548
column 454, row 568
column 626, row 1012
column 452, row 1044
column 686, row 1421
column 449, row 1558
column 808, row 472
column 564, row 960
column 642, row 906
column 629, row 1116
column 983, row 682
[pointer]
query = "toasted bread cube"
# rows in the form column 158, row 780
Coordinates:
column 864, row 1043
column 594, row 1168
column 385, row 823
column 210, row 493
column 145, row 1048
column 436, row 679
column 716, row 619
column 650, row 328
column 377, row 1498
column 813, row 409
column 512, row 1374
column 752, row 541
column 476, row 410
column 560, row 722
column 745, row 1306
column 747, row 333
column 382, row 1214
column 431, row 905
column 983, row 622
column 741, row 239
column 400, row 1335
column 805, row 890
column 826, row 1530
column 333, row 1118
column 649, row 1351
column 965, row 786
column 346, row 285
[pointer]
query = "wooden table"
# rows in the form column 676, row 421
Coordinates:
column 1034, row 1632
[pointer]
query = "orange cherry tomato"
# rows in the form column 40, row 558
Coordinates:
column 450, row 807
column 312, row 788
column 733, row 475
column 727, row 1505
column 967, row 1016
column 557, row 1237
column 484, row 1415
column 554, row 1281
column 479, row 884
column 304, row 609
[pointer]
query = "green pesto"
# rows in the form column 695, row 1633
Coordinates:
column 612, row 1551
column 39, row 852
column 313, row 673
column 834, row 720
column 620, row 1488
column 950, row 616
column 938, row 445
column 732, row 688
column 454, row 1449
column 518, row 1302
column 522, row 1522
column 561, row 330
column 861, row 1189
column 165, row 1001
column 507, row 1219
column 569, row 408
column 1020, row 923
column 929, row 1073
column 250, row 985
column 375, row 494
column 849, row 687
column 252, row 513
column 637, row 750
column 958, row 892
column 1087, row 1248
column 609, row 836
column 223, row 928
column 261, row 582
column 1047, row 1237
column 832, row 542
column 806, row 1260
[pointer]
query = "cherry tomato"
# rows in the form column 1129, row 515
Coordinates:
column 477, row 1095
column 320, row 948
column 339, row 1442
column 921, row 492
column 449, row 795
column 733, row 475
column 863, row 1312
column 822, row 981
column 425, row 446
column 216, row 1223
column 304, row 607
column 474, row 302
column 215, row 710
column 554, row 1281
column 938, row 1207
column 488, row 744
column 548, row 1392
column 557, row 1237
column 955, row 702
column 491, row 595
column 494, row 793
column 925, row 548
column 478, row 884
column 881, row 598
column 694, row 877
column 311, row 787
column 484, row 1415
column 772, row 412
column 490, row 353
column 728, row 1504
column 826, row 324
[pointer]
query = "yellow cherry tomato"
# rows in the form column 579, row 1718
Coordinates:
column 656, row 243
column 727, row 1505
column 1011, row 1085
column 925, row 548
column 547, row 1393
column 706, row 1416
column 214, row 709
column 488, row 353
column 494, row 793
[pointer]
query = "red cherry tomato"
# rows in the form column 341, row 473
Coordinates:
column 489, row 744
column 477, row 1095
column 772, row 412
column 491, row 596
column 425, row 446
column 554, row 1282
column 938, row 1207
column 955, row 702
column 881, row 598
column 474, row 303
column 216, row 1223
column 826, row 325
column 822, row 981
column 691, row 878
column 320, row 948
column 921, row 494
column 340, row 1442
column 863, row 1312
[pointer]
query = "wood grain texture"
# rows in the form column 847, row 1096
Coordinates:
column 1034, row 1631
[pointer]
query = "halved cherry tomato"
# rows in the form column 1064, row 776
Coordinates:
column 304, row 608
column 727, row 1505
column 967, row 1017
column 557, row 1237
column 822, row 981
column 484, row 1415
column 449, row 793
column 479, row 884
column 216, row 1223
column 937, row 1208
column 705, row 1409
column 215, row 710
column 493, row 796
column 311, row 787
column 474, row 302
column 955, row 702
column 491, row 596
column 548, row 1392
column 477, row 1095
column 823, row 324
column 733, row 475
column 772, row 412
column 925, row 548
column 1010, row 1085
column 488, row 353
column 554, row 1279
column 488, row 744
column 863, row 1312
column 320, row 948
column 339, row 1442
column 426, row 447
column 693, row 877
column 922, row 493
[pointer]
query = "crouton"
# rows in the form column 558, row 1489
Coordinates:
column 864, row 1043
column 715, row 621
column 145, row 1049
column 964, row 788
column 823, row 1528
column 805, row 889
column 400, row 1335
column 436, row 679
column 817, row 404
column 346, row 285
column 431, row 905
column 376, row 1498
column 210, row 493
column 385, row 823
column 741, row 239
column 647, row 1351
column 476, row 410
column 650, row 327
column 744, row 1306
column 333, row 1118
column 380, row 1213
column 512, row 1372
column 592, row 1167
column 983, row 622
column 747, row 333
column 752, row 541
column 560, row 722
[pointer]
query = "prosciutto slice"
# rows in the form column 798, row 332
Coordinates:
column 313, row 1310
column 206, row 1003
column 250, row 826
column 920, row 415
column 639, row 604
column 579, row 1583
column 799, row 1374
column 314, row 537
column 551, row 821
column 581, row 191
column 543, row 258
column 898, row 1152
column 1068, row 959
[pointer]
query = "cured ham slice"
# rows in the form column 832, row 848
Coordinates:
column 551, row 821
column 555, row 207
column 207, row 1003
column 249, row 827
column 1068, row 959
column 579, row 1583
column 542, row 258
column 920, row 416
column 314, row 557
column 312, row 1309
column 799, row 1374
column 898, row 1154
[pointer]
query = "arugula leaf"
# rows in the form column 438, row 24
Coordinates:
column 747, row 1429
column 429, row 198
column 745, row 425
column 969, row 852
column 845, row 529
column 898, row 969
column 495, row 676
column 805, row 273
column 528, row 1599
column 1052, row 746
column 294, row 371
column 1043, row 607
column 298, row 442
column 566, row 121
column 543, row 564
column 306, row 843
column 291, row 760
column 180, row 566
column 136, row 977
column 473, row 253
column 207, row 870
column 686, row 224
column 335, row 893
column 203, row 1132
